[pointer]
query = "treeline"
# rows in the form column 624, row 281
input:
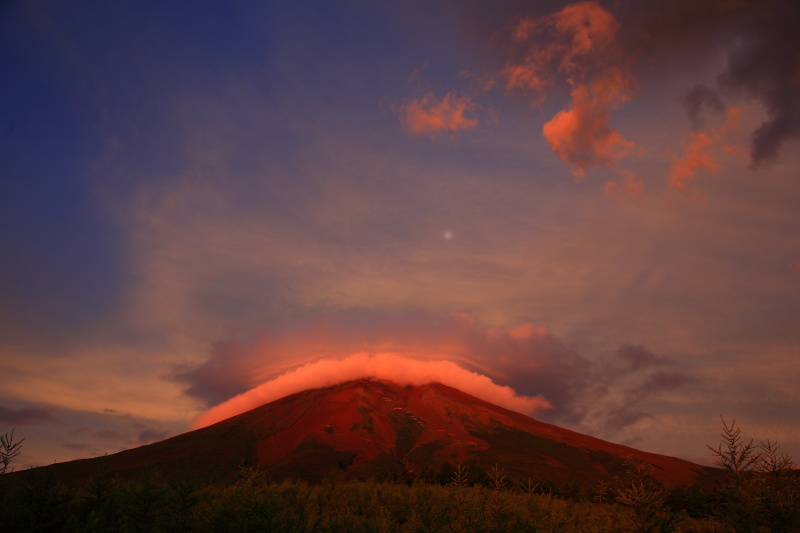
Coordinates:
column 760, row 493
column 152, row 503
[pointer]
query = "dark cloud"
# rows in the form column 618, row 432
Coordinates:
column 644, row 383
column 151, row 435
column 638, row 357
column 80, row 447
column 126, row 432
column 130, row 425
column 701, row 99
column 764, row 64
column 664, row 381
column 654, row 383
column 623, row 416
column 762, row 51
column 25, row 415
column 225, row 374
column 109, row 434
column 562, row 379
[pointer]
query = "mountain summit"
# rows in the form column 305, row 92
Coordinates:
column 368, row 429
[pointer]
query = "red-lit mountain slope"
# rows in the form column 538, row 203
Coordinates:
column 368, row 428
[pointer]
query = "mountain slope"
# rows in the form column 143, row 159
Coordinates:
column 368, row 428
column 409, row 429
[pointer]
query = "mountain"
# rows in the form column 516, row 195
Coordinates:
column 367, row 429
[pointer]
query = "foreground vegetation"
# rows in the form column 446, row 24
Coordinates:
column 153, row 503
column 760, row 494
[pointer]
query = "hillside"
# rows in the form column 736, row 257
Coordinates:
column 375, row 429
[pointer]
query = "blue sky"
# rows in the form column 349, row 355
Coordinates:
column 198, row 198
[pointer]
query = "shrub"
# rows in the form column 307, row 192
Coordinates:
column 761, row 491
column 648, row 500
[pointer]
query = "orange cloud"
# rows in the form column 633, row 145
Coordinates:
column 387, row 366
column 629, row 186
column 698, row 155
column 429, row 116
column 577, row 31
column 587, row 28
column 580, row 42
column 524, row 357
column 526, row 76
column 521, row 367
column 580, row 135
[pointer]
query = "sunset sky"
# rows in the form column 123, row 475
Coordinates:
column 596, row 204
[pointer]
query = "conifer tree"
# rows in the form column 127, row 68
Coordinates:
column 762, row 491
column 8, row 450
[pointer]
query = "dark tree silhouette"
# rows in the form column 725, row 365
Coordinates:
column 8, row 450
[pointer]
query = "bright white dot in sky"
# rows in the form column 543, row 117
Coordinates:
column 448, row 234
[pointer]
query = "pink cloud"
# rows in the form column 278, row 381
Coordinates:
column 567, row 37
column 698, row 146
column 526, row 76
column 627, row 186
column 580, row 134
column 585, row 28
column 578, row 42
column 524, row 356
column 522, row 367
column 431, row 116
column 400, row 369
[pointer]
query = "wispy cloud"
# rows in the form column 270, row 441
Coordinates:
column 639, row 357
column 25, row 415
column 698, row 146
column 700, row 100
column 619, row 391
column 432, row 116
